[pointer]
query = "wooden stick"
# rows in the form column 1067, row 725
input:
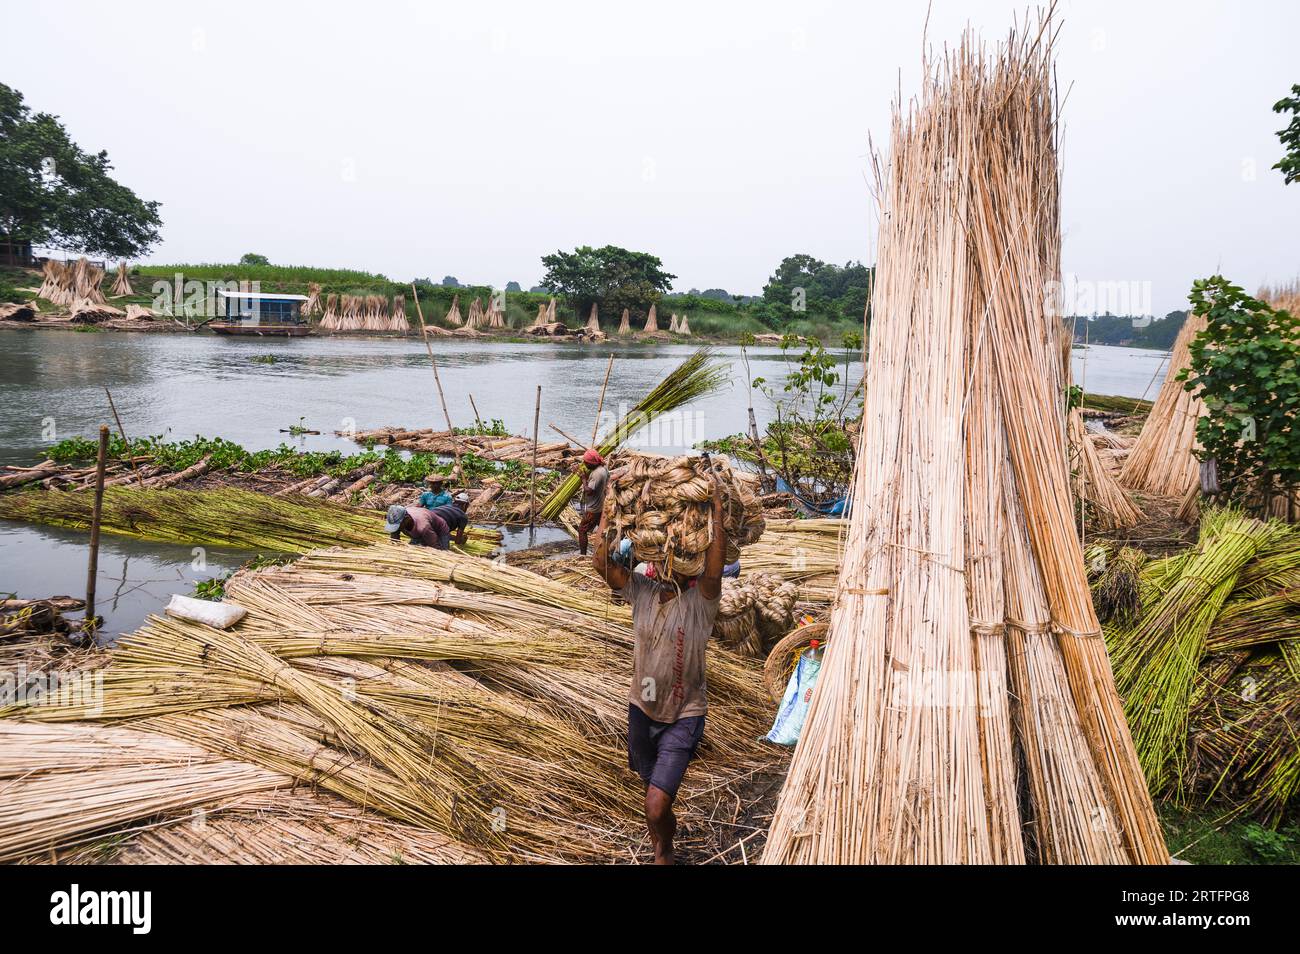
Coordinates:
column 129, row 451
column 567, row 437
column 532, row 489
column 601, row 406
column 477, row 420
column 92, row 569
column 451, row 431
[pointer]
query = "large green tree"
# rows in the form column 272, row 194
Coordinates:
column 54, row 193
column 612, row 277
column 1289, row 164
column 802, row 284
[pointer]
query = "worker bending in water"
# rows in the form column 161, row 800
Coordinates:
column 437, row 495
column 424, row 527
column 454, row 516
column 594, row 481
column 672, row 619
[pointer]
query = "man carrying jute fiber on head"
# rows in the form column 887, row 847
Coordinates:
column 672, row 618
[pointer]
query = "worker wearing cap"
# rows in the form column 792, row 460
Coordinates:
column 454, row 516
column 424, row 527
column 593, row 495
column 437, row 494
column 672, row 619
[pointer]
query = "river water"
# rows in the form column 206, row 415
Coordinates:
column 52, row 387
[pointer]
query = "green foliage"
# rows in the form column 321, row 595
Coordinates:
column 340, row 279
column 54, row 193
column 252, row 258
column 803, row 286
column 493, row 428
column 1203, row 837
column 1289, row 164
column 264, row 359
column 1247, row 364
column 1129, row 331
column 612, row 277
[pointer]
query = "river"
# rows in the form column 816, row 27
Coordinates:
column 52, row 387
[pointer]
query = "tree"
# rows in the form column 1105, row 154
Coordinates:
column 252, row 258
column 513, row 287
column 1246, row 364
column 54, row 193
column 802, row 284
column 449, row 281
column 612, row 277
column 1289, row 164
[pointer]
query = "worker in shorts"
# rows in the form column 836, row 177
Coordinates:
column 672, row 618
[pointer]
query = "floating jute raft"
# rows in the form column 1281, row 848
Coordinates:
column 664, row 505
column 966, row 711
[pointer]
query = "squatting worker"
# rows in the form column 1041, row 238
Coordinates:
column 437, row 495
column 593, row 495
column 672, row 619
column 425, row 528
column 454, row 516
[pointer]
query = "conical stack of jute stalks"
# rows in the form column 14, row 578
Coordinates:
column 625, row 323
column 593, row 320
column 540, row 320
column 651, row 322
column 1284, row 297
column 496, row 317
column 683, row 327
column 475, row 318
column 312, row 305
column 122, row 283
column 1105, row 501
column 1163, row 461
column 454, row 318
column 965, row 711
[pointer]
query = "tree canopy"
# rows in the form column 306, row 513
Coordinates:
column 1289, row 164
column 54, row 193
column 614, row 278
column 803, row 284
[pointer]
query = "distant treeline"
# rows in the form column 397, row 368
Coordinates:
column 1128, row 331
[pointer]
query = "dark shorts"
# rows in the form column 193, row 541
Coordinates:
column 660, row 751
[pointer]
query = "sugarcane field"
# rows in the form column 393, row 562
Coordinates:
column 976, row 553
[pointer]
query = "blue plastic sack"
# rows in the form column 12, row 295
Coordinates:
column 798, row 696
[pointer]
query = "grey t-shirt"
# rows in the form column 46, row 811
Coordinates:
column 593, row 489
column 668, row 667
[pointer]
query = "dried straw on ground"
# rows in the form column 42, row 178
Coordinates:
column 625, row 323
column 84, row 311
column 664, row 506
column 1163, row 461
column 122, row 283
column 963, row 628
column 1107, row 505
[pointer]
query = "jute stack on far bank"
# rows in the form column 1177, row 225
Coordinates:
column 964, row 661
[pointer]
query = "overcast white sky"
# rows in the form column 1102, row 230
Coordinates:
column 423, row 139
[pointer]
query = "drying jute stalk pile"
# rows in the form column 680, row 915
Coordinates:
column 1163, row 461
column 67, row 283
column 966, row 711
column 122, row 283
column 364, row 313
column 1104, row 500
column 485, row 713
column 664, row 506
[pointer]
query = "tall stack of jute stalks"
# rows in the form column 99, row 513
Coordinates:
column 1163, row 461
column 122, row 283
column 966, row 711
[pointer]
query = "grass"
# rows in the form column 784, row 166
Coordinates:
column 1203, row 837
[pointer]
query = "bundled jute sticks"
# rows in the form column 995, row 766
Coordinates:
column 68, row 283
column 664, row 506
column 122, row 283
column 1163, row 461
column 1104, row 499
column 964, row 663
column 363, row 313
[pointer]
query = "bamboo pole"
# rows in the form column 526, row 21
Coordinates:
column 532, row 489
column 92, row 569
column 601, row 406
column 567, row 437
column 130, row 453
column 477, row 420
column 451, row 431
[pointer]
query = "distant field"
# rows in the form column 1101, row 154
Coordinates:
column 267, row 273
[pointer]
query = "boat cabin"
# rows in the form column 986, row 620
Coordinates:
column 246, row 308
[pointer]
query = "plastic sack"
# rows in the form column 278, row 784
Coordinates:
column 216, row 615
column 798, row 696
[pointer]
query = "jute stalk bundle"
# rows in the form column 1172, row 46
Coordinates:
column 593, row 320
column 496, row 317
column 540, row 320
column 550, row 312
column 330, row 317
column 651, row 322
column 697, row 376
column 312, row 305
column 1105, row 500
column 84, row 311
column 475, row 319
column 1163, row 461
column 454, row 318
column 122, row 283
column 963, row 627
column 683, row 327
column 625, row 323
column 1282, row 297
column 672, row 324
column 67, row 283
column 663, row 505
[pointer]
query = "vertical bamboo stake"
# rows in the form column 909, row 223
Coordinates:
column 92, row 569
column 532, row 490
column 451, row 431
column 130, row 452
column 477, row 420
column 601, row 406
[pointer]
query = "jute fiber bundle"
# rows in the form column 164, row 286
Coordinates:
column 122, row 283
column 1163, row 461
column 664, row 506
column 963, row 631
column 754, row 612
column 1094, row 485
column 625, row 323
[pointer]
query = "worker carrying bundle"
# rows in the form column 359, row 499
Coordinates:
column 662, row 504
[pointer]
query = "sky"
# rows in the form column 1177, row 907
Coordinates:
column 423, row 139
